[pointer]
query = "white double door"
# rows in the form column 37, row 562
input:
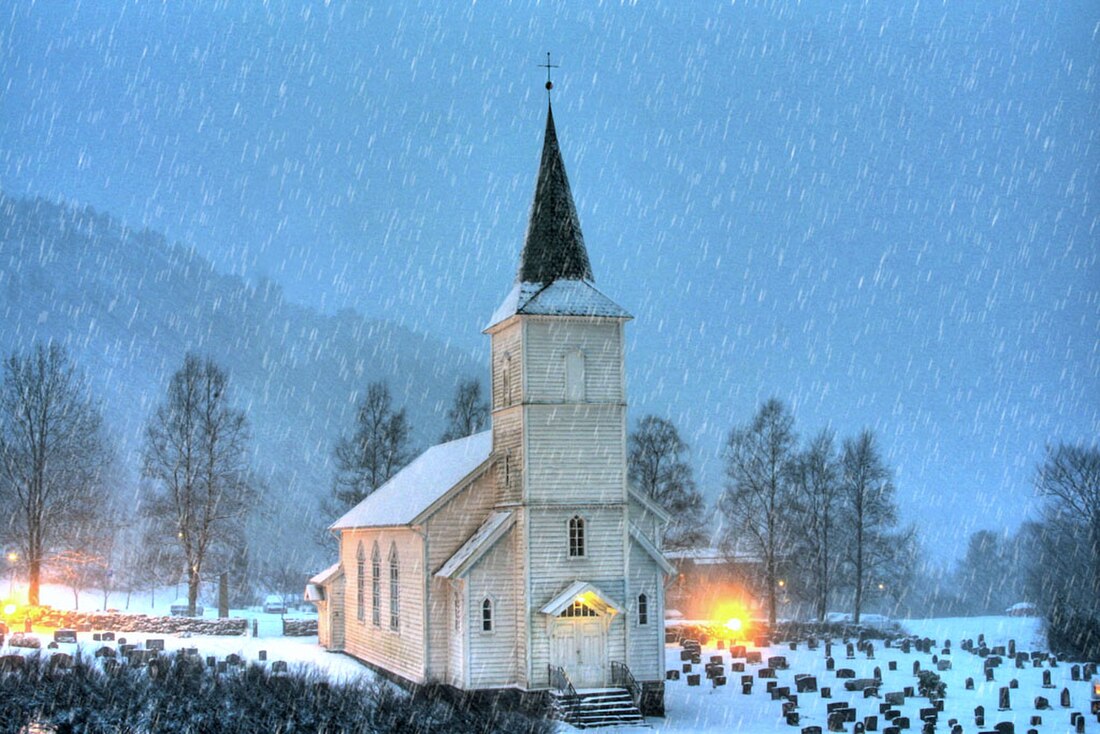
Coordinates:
column 579, row 645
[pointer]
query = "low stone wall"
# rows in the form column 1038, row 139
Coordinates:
column 299, row 627
column 119, row 622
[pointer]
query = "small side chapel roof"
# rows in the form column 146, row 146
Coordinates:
column 414, row 489
column 571, row 593
column 328, row 574
column 477, row 545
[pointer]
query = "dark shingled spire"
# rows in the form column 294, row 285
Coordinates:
column 554, row 247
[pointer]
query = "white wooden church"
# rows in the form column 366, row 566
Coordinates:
column 519, row 557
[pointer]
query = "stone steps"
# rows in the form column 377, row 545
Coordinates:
column 598, row 707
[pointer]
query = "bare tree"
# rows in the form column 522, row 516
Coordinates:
column 1069, row 571
column 196, row 454
column 469, row 413
column 54, row 455
column 658, row 468
column 377, row 448
column 759, row 492
column 817, row 484
column 868, row 516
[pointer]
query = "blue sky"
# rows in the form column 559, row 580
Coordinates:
column 884, row 214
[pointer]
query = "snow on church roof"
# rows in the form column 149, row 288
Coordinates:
column 561, row 298
column 415, row 488
column 489, row 533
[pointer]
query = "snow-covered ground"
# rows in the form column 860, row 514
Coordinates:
column 705, row 709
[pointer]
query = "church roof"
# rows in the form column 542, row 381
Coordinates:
column 584, row 592
column 554, row 247
column 414, row 489
column 560, row 298
column 555, row 276
column 477, row 545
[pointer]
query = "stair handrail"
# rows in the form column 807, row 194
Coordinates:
column 559, row 680
column 622, row 677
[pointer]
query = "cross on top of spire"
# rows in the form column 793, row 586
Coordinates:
column 548, row 66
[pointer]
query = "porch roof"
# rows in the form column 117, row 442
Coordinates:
column 584, row 592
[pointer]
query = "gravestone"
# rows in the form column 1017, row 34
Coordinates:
column 1035, row 721
column 826, row 692
column 870, row 692
column 1065, row 698
column 154, row 644
column 263, row 655
column 989, row 675
column 916, row 667
column 805, row 683
column 718, row 680
column 1075, row 672
column 686, row 667
column 792, row 646
column 672, row 675
column 943, row 665
column 845, row 674
column 1011, row 648
column 746, row 688
column 765, row 673
column 811, row 730
column 901, row 722
column 97, row 637
column 737, row 667
column 970, row 684
column 721, row 644
column 1042, row 704
column 830, row 664
column 737, row 651
column 685, row 655
column 693, row 679
column 892, row 665
column 716, row 659
column 895, row 698
column 878, row 673
column 836, row 721
column 1004, row 727
column 791, row 717
column 778, row 662
column 850, row 651
column 979, row 716
column 870, row 723
column 1004, row 702
column 1014, row 684
column 105, row 652
column 869, row 649
column 754, row 657
column 828, row 648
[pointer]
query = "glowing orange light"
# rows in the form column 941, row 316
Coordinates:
column 9, row 609
column 1096, row 688
column 734, row 624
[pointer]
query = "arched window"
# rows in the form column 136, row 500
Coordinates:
column 395, row 590
column 643, row 609
column 487, row 615
column 360, row 583
column 506, row 380
column 576, row 537
column 376, row 585
column 574, row 376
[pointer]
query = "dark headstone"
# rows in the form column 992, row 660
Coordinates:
column 878, row 673
column 105, row 652
column 1004, row 701
column 826, row 692
column 716, row 659
column 943, row 665
column 737, row 651
column 263, row 655
column 979, row 716
column 989, row 675
column 211, row 661
column 154, row 644
column 895, row 698
column 97, row 637
column 778, row 662
column 845, row 674
column 672, row 675
column 916, row 667
column 1041, row 703
column 109, row 637
column 1065, row 698
column 1004, row 727
column 791, row 717
column 686, row 667
column 1035, row 721
column 927, row 713
column 685, row 655
column 792, row 646
column 908, row 691
column 693, row 679
column 891, row 714
column 849, row 651
column 754, row 657
column 892, row 665
column 765, row 673
column 836, row 721
column 901, row 722
column 970, row 684
column 737, row 667
column 746, row 688
column 1075, row 672
column 830, row 664
column 870, row 723
column 811, row 730
column 805, row 683
column 1014, row 684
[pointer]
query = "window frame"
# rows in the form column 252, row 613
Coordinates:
column 643, row 610
column 360, row 583
column 576, row 537
column 376, row 585
column 395, row 588
column 488, row 604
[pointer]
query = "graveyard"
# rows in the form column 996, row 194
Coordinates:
column 955, row 676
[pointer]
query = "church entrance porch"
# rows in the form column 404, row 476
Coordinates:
column 578, row 621
column 578, row 644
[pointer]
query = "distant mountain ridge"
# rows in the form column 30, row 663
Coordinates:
column 129, row 305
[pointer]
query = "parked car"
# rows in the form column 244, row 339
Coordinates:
column 274, row 604
column 179, row 608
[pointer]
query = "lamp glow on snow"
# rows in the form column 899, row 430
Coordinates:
column 733, row 616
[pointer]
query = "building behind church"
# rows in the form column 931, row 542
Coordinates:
column 519, row 557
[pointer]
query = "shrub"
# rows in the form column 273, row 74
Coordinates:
column 929, row 685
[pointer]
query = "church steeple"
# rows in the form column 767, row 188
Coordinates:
column 554, row 247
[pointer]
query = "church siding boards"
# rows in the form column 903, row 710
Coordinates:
column 492, row 659
column 550, row 339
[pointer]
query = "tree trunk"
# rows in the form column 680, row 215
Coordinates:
column 859, row 578
column 192, row 591
column 34, row 571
